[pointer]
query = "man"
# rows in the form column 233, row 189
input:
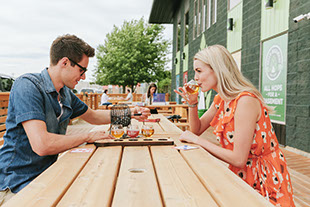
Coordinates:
column 39, row 111
column 129, row 95
column 105, row 98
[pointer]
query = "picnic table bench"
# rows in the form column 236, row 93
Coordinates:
column 138, row 176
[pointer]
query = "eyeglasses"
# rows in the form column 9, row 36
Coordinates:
column 82, row 70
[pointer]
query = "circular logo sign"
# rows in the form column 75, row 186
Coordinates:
column 274, row 62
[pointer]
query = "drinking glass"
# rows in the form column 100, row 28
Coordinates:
column 117, row 131
column 133, row 131
column 192, row 87
column 147, row 130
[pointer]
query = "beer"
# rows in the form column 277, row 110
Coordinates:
column 133, row 130
column 132, row 133
column 192, row 87
column 148, row 132
column 117, row 133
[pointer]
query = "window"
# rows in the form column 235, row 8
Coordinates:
column 203, row 16
column 178, row 39
column 208, row 21
column 195, row 20
column 186, row 22
column 214, row 13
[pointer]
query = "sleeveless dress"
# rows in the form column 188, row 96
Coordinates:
column 266, row 169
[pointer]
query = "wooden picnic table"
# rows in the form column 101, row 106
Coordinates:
column 138, row 176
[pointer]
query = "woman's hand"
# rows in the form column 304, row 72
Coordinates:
column 189, row 137
column 97, row 135
column 143, row 112
column 190, row 98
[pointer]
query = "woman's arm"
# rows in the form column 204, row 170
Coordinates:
column 198, row 126
column 246, row 115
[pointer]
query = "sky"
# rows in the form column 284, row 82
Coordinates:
column 28, row 28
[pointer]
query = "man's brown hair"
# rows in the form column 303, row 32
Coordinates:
column 69, row 46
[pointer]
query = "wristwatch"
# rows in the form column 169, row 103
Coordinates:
column 192, row 105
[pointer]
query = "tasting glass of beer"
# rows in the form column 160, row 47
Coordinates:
column 147, row 130
column 117, row 131
column 192, row 87
column 133, row 131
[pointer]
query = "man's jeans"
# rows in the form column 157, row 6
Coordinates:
column 5, row 196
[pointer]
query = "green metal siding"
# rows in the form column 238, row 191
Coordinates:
column 185, row 61
column 234, row 37
column 275, row 20
column 177, row 66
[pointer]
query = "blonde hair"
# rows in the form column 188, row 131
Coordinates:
column 230, row 82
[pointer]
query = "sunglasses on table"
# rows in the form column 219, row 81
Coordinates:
column 82, row 69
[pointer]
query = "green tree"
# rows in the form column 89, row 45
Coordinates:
column 164, row 85
column 134, row 53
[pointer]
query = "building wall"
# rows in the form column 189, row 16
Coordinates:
column 295, row 132
column 250, row 53
column 298, row 78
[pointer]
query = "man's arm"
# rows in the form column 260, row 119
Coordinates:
column 45, row 143
column 97, row 116
column 104, row 116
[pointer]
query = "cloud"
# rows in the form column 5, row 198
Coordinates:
column 27, row 28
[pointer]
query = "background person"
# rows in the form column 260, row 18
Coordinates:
column 40, row 108
column 241, row 124
column 104, row 98
column 149, row 96
column 129, row 95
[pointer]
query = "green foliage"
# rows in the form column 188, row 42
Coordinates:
column 134, row 53
column 164, row 85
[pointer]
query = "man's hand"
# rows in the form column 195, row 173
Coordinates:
column 97, row 135
column 142, row 111
column 189, row 137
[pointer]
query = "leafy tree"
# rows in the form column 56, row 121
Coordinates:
column 164, row 85
column 134, row 53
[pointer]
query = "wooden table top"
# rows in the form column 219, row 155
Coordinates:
column 138, row 176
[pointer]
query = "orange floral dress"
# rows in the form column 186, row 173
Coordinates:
column 266, row 169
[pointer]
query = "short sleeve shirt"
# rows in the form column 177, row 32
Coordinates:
column 33, row 97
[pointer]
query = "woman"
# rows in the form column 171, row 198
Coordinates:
column 241, row 124
column 149, row 96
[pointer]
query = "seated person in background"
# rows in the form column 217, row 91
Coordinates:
column 105, row 98
column 40, row 108
column 129, row 95
column 149, row 96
